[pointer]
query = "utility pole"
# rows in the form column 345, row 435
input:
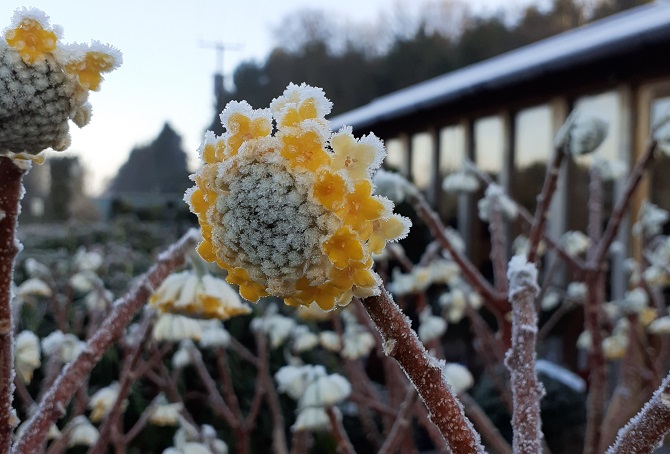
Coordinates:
column 219, row 87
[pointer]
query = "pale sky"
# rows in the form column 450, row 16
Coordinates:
column 166, row 74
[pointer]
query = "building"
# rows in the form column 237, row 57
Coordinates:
column 503, row 113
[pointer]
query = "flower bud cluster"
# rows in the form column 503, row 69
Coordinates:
column 292, row 214
column 44, row 83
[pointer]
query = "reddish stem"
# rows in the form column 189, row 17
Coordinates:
column 543, row 203
column 491, row 297
column 11, row 189
column 425, row 372
column 520, row 360
column 645, row 431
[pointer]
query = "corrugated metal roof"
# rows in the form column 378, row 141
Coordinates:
column 624, row 31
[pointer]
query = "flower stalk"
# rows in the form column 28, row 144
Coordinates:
column 11, row 190
column 402, row 343
column 520, row 359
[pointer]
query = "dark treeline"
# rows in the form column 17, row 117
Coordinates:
column 355, row 63
column 159, row 167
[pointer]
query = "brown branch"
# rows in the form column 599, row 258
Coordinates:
column 424, row 371
column 59, row 395
column 11, row 191
column 595, row 404
column 431, row 429
column 344, row 445
column 543, row 202
column 402, row 421
column 128, row 377
column 520, row 358
column 491, row 297
column 216, row 401
column 618, row 213
column 646, row 430
column 259, row 393
column 279, row 445
column 526, row 219
column 486, row 428
column 498, row 252
column 227, row 382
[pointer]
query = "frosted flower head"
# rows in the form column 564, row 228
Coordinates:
column 293, row 380
column 634, row 301
column 581, row 134
column 213, row 334
column 460, row 182
column 203, row 296
column 393, row 186
column 303, row 339
column 660, row 326
column 313, row 419
column 182, row 357
column 102, row 401
column 33, row 287
column 325, row 392
column 330, row 340
column 277, row 327
column 37, row 269
column 651, row 221
column 26, row 355
column 550, row 301
column 45, row 84
column 576, row 292
column 85, row 281
column 292, row 214
column 495, row 197
column 609, row 169
column 164, row 413
column 431, row 327
column 66, row 347
column 313, row 313
column 454, row 303
column 87, row 260
column 174, row 328
column 82, row 432
column 575, row 243
column 615, row 346
column 458, row 376
column 358, row 342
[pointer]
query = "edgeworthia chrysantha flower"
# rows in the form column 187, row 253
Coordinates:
column 44, row 83
column 192, row 295
column 292, row 214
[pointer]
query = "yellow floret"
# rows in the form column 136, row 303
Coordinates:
column 384, row 230
column 89, row 69
column 305, row 151
column 360, row 207
column 355, row 157
column 343, row 248
column 306, row 111
column 243, row 128
column 31, row 40
column 249, row 289
column 329, row 189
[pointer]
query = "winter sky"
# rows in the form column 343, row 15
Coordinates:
column 166, row 73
